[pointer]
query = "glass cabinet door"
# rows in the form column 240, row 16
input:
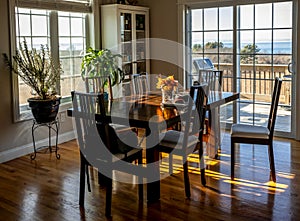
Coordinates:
column 140, row 43
column 125, row 28
column 126, row 42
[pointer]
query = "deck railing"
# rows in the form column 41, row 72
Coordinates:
column 262, row 87
column 258, row 82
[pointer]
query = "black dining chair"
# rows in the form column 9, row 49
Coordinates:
column 253, row 134
column 214, row 79
column 100, row 146
column 99, row 84
column 140, row 84
column 102, row 84
column 189, row 139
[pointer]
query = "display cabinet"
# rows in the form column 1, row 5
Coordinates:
column 125, row 30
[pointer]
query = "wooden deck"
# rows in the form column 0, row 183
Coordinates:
column 47, row 189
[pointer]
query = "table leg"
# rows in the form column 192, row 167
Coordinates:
column 152, row 156
column 214, row 137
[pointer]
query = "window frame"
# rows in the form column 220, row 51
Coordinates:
column 186, row 5
column 77, row 6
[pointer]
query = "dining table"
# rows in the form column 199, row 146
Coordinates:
column 147, row 112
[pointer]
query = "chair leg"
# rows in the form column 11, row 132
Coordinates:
column 232, row 160
column 108, row 197
column 82, row 180
column 209, row 118
column 170, row 163
column 202, row 165
column 99, row 178
column 186, row 179
column 271, row 160
column 140, row 180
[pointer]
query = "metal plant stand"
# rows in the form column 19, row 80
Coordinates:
column 52, row 126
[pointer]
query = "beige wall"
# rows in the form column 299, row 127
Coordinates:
column 163, row 24
column 14, row 135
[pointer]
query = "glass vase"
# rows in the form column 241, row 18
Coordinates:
column 168, row 95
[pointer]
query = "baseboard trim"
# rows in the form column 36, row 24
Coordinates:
column 28, row 148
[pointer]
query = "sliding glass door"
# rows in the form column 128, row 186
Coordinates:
column 252, row 44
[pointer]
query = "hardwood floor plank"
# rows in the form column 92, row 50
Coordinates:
column 47, row 188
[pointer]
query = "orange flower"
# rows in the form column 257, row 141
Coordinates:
column 167, row 83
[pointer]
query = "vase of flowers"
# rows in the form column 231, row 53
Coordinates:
column 168, row 88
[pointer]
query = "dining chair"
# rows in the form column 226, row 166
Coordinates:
column 214, row 79
column 139, row 89
column 101, row 84
column 189, row 139
column 97, row 84
column 253, row 134
column 99, row 144
column 140, row 84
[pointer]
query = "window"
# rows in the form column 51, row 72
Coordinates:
column 211, row 40
column 31, row 25
column 251, row 53
column 72, row 40
column 65, row 34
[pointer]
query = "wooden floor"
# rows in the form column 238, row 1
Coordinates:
column 47, row 189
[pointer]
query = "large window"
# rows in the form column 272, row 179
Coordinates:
column 251, row 44
column 65, row 34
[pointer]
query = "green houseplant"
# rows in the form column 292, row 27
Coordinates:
column 101, row 63
column 38, row 70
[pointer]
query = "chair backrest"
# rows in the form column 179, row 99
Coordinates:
column 97, row 84
column 192, row 117
column 274, row 106
column 140, row 84
column 212, row 78
column 85, row 107
column 198, row 94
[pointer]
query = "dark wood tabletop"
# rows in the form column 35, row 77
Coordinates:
column 139, row 110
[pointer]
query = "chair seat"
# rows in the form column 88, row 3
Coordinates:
column 249, row 131
column 121, row 128
column 174, row 139
column 127, row 156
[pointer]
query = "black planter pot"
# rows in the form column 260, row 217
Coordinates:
column 44, row 111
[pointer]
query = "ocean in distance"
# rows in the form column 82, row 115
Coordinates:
column 280, row 47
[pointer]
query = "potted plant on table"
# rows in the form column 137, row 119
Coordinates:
column 101, row 63
column 38, row 70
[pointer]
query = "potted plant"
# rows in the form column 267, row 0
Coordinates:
column 38, row 70
column 101, row 63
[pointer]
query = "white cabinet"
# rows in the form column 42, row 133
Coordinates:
column 125, row 30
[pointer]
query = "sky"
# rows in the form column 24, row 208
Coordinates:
column 282, row 22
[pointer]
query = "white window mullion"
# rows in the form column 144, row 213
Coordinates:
column 54, row 44
column 236, row 60
column 72, row 79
